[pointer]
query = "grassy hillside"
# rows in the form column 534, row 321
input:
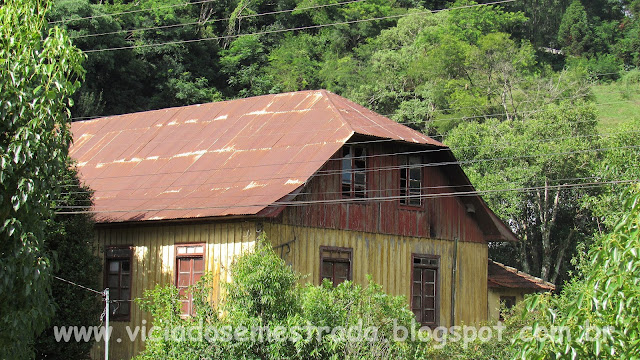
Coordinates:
column 617, row 102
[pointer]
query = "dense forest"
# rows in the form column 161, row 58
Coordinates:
column 508, row 85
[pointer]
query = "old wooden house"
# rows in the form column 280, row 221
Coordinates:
column 340, row 191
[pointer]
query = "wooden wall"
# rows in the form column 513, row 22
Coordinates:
column 443, row 217
column 387, row 258
column 154, row 261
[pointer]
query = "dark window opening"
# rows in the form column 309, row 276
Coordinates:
column 189, row 269
column 118, row 279
column 411, row 181
column 335, row 264
column 509, row 302
column 424, row 289
column 354, row 175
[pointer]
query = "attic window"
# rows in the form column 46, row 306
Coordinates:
column 411, row 181
column 354, row 176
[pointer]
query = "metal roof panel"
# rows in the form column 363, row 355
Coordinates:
column 226, row 158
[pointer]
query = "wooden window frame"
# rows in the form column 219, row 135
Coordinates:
column 437, row 285
column 336, row 249
column 107, row 259
column 353, row 192
column 194, row 255
column 405, row 187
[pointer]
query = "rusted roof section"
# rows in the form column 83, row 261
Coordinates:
column 218, row 159
column 502, row 276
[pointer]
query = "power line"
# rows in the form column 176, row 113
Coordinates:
column 426, row 151
column 78, row 285
column 385, row 168
column 129, row 12
column 369, row 191
column 572, row 97
column 358, row 200
column 308, row 27
column 161, row 27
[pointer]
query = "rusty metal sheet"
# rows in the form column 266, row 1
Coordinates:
column 502, row 276
column 226, row 158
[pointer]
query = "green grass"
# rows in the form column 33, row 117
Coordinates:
column 617, row 103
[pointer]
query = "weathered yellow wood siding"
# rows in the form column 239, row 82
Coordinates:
column 154, row 261
column 387, row 258
column 493, row 301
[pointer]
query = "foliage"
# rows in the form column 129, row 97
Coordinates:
column 604, row 301
column 69, row 241
column 539, row 157
column 624, row 149
column 264, row 294
column 574, row 34
column 40, row 70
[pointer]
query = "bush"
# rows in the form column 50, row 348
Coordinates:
column 265, row 294
column 602, row 67
column 599, row 309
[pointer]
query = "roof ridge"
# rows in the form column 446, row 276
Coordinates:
column 327, row 95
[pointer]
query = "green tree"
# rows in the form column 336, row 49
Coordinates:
column 543, row 154
column 575, row 32
column 40, row 71
column 70, row 244
column 604, row 299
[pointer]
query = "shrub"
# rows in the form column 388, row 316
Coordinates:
column 265, row 293
column 600, row 308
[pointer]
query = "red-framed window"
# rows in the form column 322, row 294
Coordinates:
column 335, row 264
column 354, row 171
column 411, row 181
column 118, row 260
column 425, row 299
column 189, row 269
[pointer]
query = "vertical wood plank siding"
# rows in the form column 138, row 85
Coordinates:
column 154, row 261
column 442, row 217
column 387, row 258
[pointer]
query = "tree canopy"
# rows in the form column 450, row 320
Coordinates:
column 40, row 71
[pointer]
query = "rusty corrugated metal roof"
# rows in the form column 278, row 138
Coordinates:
column 502, row 276
column 218, row 159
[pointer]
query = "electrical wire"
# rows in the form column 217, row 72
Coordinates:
column 415, row 152
column 78, row 285
column 339, row 171
column 130, row 12
column 308, row 27
column 426, row 151
column 324, row 193
column 161, row 27
column 357, row 200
